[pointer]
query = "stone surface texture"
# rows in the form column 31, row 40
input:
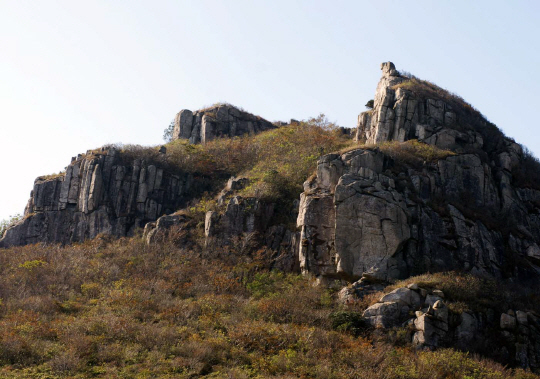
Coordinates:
column 222, row 120
column 99, row 193
column 248, row 222
column 368, row 213
column 512, row 338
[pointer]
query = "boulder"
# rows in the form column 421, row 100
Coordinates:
column 403, row 296
column 383, row 315
column 155, row 231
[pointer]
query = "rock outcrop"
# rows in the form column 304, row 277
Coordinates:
column 512, row 337
column 375, row 212
column 222, row 120
column 100, row 192
column 250, row 221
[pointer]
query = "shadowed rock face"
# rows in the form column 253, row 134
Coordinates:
column 218, row 121
column 512, row 337
column 99, row 193
column 368, row 214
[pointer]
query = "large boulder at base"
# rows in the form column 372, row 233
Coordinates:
column 513, row 338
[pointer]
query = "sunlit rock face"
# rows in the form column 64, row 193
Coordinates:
column 372, row 212
column 222, row 120
column 99, row 193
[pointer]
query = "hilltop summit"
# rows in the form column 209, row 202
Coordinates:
column 219, row 120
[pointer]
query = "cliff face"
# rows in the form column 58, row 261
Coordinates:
column 99, row 193
column 108, row 192
column 217, row 121
column 385, row 210
column 371, row 213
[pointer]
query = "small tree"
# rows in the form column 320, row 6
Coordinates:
column 168, row 132
column 370, row 104
column 321, row 121
column 4, row 224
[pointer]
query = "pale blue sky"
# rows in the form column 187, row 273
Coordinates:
column 76, row 75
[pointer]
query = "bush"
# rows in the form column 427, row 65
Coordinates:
column 527, row 174
column 351, row 322
column 168, row 132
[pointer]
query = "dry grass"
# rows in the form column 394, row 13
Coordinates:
column 412, row 152
column 121, row 309
column 51, row 176
column 220, row 104
column 472, row 293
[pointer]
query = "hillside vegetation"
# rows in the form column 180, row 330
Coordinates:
column 122, row 309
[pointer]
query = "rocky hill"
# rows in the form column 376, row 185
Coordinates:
column 453, row 197
column 112, row 191
column 423, row 227
column 432, row 186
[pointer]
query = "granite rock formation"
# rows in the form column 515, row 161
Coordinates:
column 250, row 220
column 512, row 337
column 100, row 192
column 370, row 212
column 222, row 120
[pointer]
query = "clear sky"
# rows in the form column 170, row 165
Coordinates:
column 76, row 75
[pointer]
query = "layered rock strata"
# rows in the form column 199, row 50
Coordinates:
column 218, row 121
column 99, row 193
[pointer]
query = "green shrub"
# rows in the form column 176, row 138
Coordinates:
column 168, row 132
column 351, row 322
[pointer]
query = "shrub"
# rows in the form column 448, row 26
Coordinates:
column 120, row 308
column 527, row 174
column 351, row 322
